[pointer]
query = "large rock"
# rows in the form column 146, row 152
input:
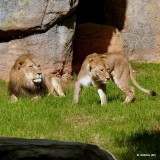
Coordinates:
column 33, row 14
column 137, row 20
column 91, row 37
column 141, row 31
column 42, row 27
column 18, row 149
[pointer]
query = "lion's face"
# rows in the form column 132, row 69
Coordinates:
column 98, row 71
column 28, row 67
column 32, row 71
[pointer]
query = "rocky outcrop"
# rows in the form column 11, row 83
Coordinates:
column 91, row 37
column 141, row 31
column 138, row 21
column 46, row 28
column 23, row 15
column 18, row 149
column 42, row 27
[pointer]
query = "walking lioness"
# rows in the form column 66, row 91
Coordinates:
column 117, row 67
column 93, row 72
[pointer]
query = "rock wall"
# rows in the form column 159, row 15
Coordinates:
column 141, row 32
column 46, row 28
column 138, row 21
column 42, row 27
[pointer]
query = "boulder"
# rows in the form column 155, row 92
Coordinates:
column 141, row 31
column 18, row 149
column 138, row 22
column 41, row 27
column 23, row 15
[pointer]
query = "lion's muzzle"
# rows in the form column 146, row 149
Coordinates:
column 38, row 79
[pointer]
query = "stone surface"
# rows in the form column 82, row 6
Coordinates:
column 53, row 49
column 137, row 20
column 91, row 37
column 141, row 31
column 18, row 149
column 33, row 14
column 42, row 27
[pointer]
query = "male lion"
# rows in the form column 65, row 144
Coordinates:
column 93, row 71
column 26, row 78
column 97, row 69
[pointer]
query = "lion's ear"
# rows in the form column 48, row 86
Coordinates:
column 20, row 64
column 94, row 54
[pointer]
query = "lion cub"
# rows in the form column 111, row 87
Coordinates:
column 26, row 78
column 116, row 66
column 93, row 72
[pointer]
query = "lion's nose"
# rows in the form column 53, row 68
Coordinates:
column 39, row 73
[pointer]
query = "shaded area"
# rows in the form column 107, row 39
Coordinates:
column 144, row 145
column 90, row 38
column 90, row 11
column 96, row 39
column 115, row 13
column 6, row 36
column 108, row 12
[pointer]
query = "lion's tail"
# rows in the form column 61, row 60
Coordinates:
column 152, row 93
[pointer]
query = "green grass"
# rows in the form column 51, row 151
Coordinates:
column 123, row 129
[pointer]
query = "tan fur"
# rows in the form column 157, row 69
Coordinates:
column 93, row 72
column 120, row 71
column 116, row 66
column 26, row 78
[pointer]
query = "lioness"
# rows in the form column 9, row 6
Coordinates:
column 26, row 77
column 118, row 69
column 93, row 72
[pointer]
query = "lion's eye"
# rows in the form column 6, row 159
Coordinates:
column 31, row 66
column 102, row 70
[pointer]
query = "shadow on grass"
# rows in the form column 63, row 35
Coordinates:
column 116, row 97
column 145, row 145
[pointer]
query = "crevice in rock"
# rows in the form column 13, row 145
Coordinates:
column 44, row 14
column 6, row 36
column 9, row 35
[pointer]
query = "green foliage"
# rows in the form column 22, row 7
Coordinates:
column 124, row 129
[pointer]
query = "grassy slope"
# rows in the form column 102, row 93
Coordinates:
column 123, row 129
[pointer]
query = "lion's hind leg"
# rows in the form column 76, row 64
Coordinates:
column 128, row 91
column 124, row 86
column 130, row 95
column 57, row 86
